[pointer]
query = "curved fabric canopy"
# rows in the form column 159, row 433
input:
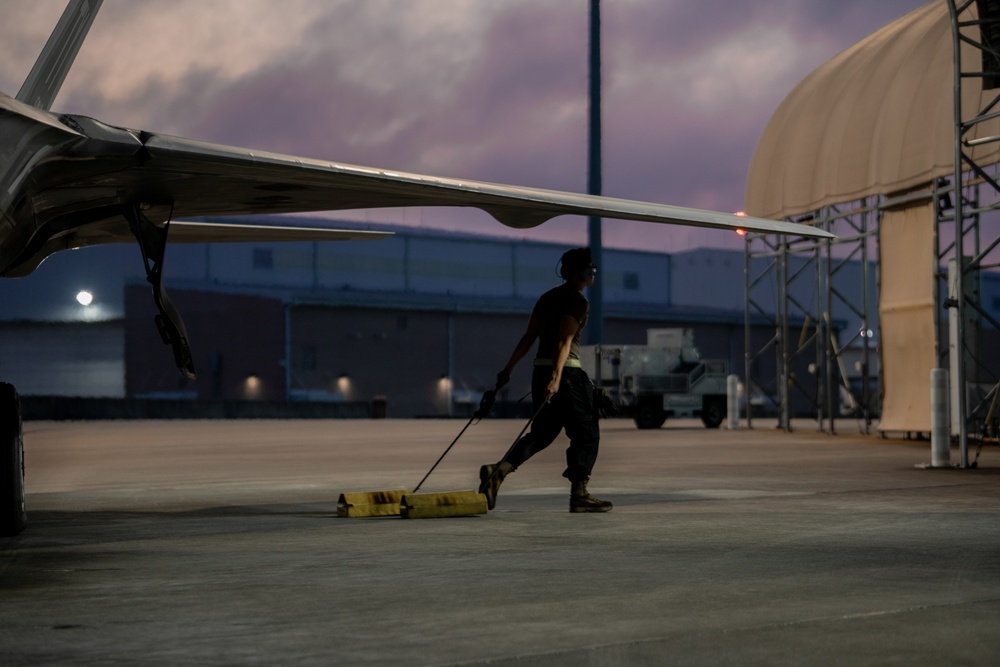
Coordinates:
column 876, row 119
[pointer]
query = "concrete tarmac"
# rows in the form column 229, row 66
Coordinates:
column 217, row 542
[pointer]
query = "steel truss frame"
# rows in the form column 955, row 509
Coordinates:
column 806, row 279
column 971, row 196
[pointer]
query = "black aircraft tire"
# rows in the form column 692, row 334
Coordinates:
column 13, row 518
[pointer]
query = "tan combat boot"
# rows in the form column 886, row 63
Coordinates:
column 581, row 501
column 490, row 477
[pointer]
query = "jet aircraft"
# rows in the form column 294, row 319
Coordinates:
column 69, row 181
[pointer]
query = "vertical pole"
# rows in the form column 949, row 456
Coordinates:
column 955, row 356
column 406, row 264
column 826, row 319
column 514, row 286
column 747, row 384
column 451, row 365
column 595, row 323
column 958, row 378
column 288, row 351
column 823, row 410
column 867, row 342
column 784, row 374
column 315, row 265
column 940, row 424
column 732, row 402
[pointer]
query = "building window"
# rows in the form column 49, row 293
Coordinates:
column 263, row 258
column 630, row 281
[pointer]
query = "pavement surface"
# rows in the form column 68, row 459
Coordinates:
column 217, row 542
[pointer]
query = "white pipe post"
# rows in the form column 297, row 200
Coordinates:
column 733, row 402
column 940, row 422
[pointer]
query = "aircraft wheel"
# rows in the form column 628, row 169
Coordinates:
column 649, row 413
column 713, row 412
column 12, row 515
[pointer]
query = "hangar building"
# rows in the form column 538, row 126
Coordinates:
column 893, row 145
column 423, row 319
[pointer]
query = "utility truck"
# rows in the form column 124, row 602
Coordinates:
column 664, row 378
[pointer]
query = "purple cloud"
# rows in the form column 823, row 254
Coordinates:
column 448, row 87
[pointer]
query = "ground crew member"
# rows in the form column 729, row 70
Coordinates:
column 556, row 322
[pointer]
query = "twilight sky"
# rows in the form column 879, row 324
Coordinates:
column 492, row 90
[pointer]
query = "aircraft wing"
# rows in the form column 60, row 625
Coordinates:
column 203, row 179
column 86, row 174
column 182, row 231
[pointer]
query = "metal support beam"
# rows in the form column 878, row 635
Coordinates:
column 152, row 238
column 808, row 280
column 967, row 218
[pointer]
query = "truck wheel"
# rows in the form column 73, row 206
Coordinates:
column 12, row 516
column 713, row 412
column 649, row 413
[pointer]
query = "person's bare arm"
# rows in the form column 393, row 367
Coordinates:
column 522, row 348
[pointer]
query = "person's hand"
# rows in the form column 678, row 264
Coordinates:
column 485, row 404
column 553, row 387
column 503, row 377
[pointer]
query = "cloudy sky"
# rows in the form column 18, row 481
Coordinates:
column 491, row 90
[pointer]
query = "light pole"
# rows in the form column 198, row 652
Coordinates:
column 595, row 323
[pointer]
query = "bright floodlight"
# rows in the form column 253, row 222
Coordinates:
column 84, row 298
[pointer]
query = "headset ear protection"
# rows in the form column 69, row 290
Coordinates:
column 576, row 263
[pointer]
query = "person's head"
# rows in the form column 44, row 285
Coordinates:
column 577, row 265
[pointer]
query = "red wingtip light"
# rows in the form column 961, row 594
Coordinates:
column 741, row 214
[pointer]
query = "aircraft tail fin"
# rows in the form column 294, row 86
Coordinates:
column 47, row 76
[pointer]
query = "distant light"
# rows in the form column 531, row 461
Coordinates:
column 741, row 232
column 84, row 298
column 252, row 387
column 344, row 384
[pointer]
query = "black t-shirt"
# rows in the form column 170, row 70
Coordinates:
column 549, row 311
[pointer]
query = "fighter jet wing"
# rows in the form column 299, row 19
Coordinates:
column 93, row 172
column 182, row 231
column 203, row 179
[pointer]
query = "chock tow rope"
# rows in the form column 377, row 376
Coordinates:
column 485, row 405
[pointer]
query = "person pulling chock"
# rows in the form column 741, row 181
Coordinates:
column 561, row 393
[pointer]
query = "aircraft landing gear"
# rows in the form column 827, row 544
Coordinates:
column 152, row 240
column 13, row 518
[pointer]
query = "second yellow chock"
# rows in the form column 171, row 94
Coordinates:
column 437, row 505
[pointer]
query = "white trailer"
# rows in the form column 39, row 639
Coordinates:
column 664, row 378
